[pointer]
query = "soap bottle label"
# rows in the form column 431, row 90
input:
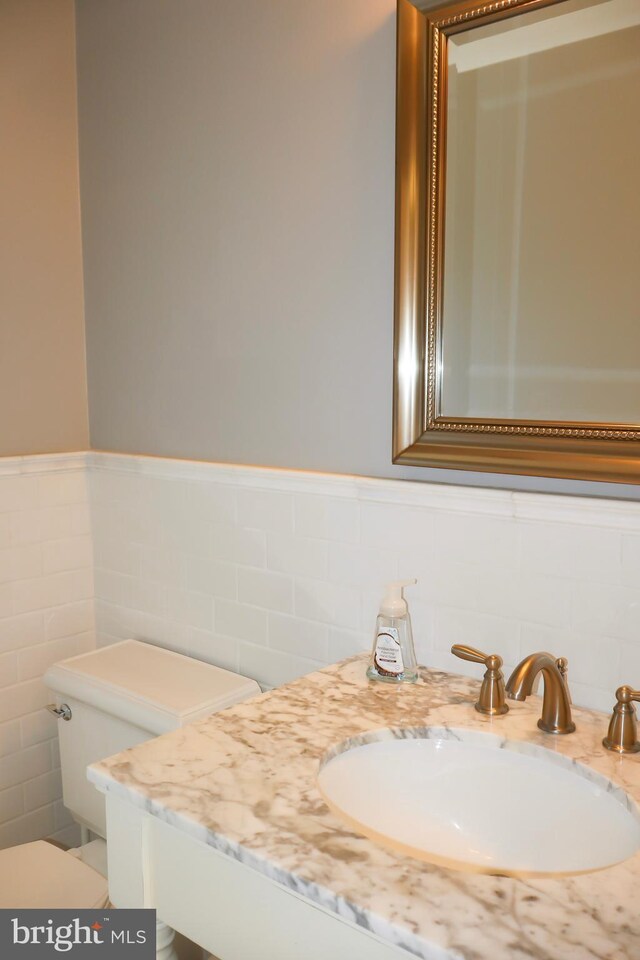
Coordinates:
column 388, row 655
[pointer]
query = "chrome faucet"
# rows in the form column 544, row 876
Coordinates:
column 556, row 705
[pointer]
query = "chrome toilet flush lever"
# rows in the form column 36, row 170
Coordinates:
column 622, row 736
column 491, row 701
column 63, row 712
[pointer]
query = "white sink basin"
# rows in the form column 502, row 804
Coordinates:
column 474, row 801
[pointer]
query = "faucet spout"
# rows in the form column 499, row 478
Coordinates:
column 556, row 704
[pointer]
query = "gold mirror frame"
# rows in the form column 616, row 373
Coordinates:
column 421, row 435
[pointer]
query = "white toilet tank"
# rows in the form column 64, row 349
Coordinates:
column 121, row 695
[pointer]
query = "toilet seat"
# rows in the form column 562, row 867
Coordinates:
column 40, row 875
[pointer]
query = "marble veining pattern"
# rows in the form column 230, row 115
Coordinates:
column 244, row 781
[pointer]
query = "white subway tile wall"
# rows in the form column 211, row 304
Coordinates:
column 46, row 614
column 274, row 572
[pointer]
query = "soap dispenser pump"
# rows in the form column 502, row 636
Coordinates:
column 393, row 657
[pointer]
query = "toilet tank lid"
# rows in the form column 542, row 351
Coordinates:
column 148, row 685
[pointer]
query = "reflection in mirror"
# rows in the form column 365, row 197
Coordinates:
column 541, row 317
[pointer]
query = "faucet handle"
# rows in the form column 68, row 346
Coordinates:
column 492, row 699
column 563, row 666
column 622, row 736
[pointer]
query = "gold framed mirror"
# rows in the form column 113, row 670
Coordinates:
column 517, row 277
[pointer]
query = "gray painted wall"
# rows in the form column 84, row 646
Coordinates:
column 237, row 184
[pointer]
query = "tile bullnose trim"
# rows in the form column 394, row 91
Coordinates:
column 35, row 463
column 474, row 501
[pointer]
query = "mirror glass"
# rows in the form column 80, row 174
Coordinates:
column 541, row 315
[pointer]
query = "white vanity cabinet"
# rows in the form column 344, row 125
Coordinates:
column 222, row 828
column 230, row 909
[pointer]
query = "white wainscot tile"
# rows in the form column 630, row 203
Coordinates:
column 421, row 563
column 160, row 564
column 86, row 641
column 31, row 595
column 26, row 527
column 476, row 540
column 213, row 648
column 188, row 607
column 18, row 493
column 626, row 625
column 158, row 630
column 5, row 529
column 265, row 510
column 629, row 673
column 571, row 550
column 631, row 561
column 9, row 737
column 80, row 520
column 596, row 698
column 270, row 667
column 58, row 523
column 43, row 790
column 186, row 534
column 262, row 588
column 6, row 603
column 205, row 575
column 23, row 698
column 592, row 661
column 32, row 826
column 423, row 628
column 107, row 486
column 8, row 669
column 11, row 803
column 455, row 584
column 111, row 620
column 58, row 588
column 37, row 727
column 240, row 621
column 598, row 609
column 69, row 620
column 63, row 818
column 238, row 545
column 301, row 556
column 486, row 633
column 117, row 554
column 69, row 837
column 297, row 636
column 327, row 602
column 28, row 763
column 213, row 502
column 71, row 586
column 161, row 498
column 359, row 566
column 62, row 488
column 34, row 661
column 528, row 597
column 328, row 518
column 20, row 562
column 72, row 553
column 384, row 524
column 149, row 597
column 346, row 643
column 116, row 588
column 22, row 630
column 136, row 523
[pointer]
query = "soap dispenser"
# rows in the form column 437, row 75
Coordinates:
column 393, row 657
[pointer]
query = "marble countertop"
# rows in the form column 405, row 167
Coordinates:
column 244, row 782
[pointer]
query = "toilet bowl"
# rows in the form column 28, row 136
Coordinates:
column 40, row 876
column 108, row 700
